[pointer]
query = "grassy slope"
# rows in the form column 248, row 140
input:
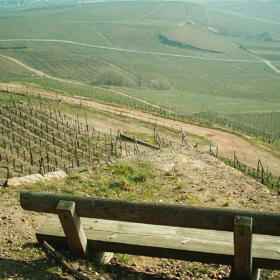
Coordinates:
column 264, row 10
column 97, row 24
column 230, row 24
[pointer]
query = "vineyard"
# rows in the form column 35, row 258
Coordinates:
column 38, row 137
column 10, row 69
column 121, row 51
column 35, row 138
column 154, row 101
column 174, row 78
column 112, row 53
column 251, row 8
column 259, row 173
column 261, row 125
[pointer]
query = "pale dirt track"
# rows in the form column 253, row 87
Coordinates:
column 269, row 64
column 228, row 143
column 132, row 51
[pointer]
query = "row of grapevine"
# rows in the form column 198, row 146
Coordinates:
column 259, row 173
column 262, row 125
column 35, row 138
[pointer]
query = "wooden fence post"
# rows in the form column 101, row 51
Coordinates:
column 243, row 261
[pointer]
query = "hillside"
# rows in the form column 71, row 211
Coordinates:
column 194, row 182
column 176, row 55
column 11, row 69
column 249, row 152
column 152, row 101
column 199, row 179
column 265, row 11
column 189, row 173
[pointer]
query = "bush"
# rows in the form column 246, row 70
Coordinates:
column 119, row 184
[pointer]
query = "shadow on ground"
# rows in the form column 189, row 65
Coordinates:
column 47, row 268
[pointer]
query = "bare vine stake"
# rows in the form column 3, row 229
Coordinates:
column 86, row 124
column 31, row 158
column 125, row 147
column 8, row 173
column 183, row 137
column 121, row 148
column 135, row 151
column 116, row 147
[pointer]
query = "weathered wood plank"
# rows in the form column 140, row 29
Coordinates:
column 131, row 139
column 72, row 228
column 160, row 214
column 208, row 246
column 243, row 248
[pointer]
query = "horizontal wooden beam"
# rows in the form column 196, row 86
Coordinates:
column 208, row 246
column 131, row 139
column 149, row 213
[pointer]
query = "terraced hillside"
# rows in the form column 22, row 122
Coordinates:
column 114, row 48
column 173, row 54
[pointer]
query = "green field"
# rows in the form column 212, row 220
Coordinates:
column 173, row 54
column 255, row 18
column 10, row 69
column 189, row 76
column 268, row 10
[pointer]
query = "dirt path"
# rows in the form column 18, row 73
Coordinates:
column 132, row 51
column 228, row 143
column 266, row 62
column 161, row 4
column 37, row 72
column 269, row 64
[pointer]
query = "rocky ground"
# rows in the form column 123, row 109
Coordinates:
column 211, row 182
column 199, row 179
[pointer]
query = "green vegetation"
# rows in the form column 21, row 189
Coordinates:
column 266, row 10
column 9, row 69
column 142, row 136
column 177, row 55
column 10, row 99
column 227, row 23
column 262, row 125
column 13, row 48
column 198, row 65
column 177, row 44
column 129, row 180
